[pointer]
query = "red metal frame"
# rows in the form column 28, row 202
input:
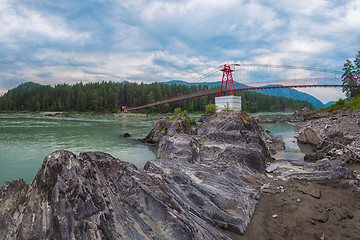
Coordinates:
column 227, row 76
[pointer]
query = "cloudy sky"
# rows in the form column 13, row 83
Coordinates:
column 68, row 41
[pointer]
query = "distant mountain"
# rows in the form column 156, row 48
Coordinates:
column 293, row 94
column 26, row 85
column 278, row 92
column 329, row 103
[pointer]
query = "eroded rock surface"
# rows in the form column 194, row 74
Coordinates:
column 323, row 169
column 96, row 196
column 169, row 127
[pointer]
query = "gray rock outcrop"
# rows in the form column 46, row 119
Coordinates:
column 323, row 169
column 169, row 127
column 96, row 196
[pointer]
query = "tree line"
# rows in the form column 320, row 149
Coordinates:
column 110, row 97
column 351, row 76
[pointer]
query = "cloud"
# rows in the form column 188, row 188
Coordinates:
column 2, row 91
column 324, row 94
column 22, row 24
column 143, row 40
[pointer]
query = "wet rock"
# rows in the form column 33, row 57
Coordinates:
column 126, row 135
column 59, row 115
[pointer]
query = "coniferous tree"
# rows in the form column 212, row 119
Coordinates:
column 351, row 76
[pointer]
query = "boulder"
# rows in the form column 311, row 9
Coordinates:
column 308, row 136
column 169, row 127
column 275, row 144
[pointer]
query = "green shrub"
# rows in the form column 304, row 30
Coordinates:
column 340, row 102
column 177, row 111
column 211, row 109
column 226, row 107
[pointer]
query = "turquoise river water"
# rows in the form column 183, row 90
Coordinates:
column 25, row 140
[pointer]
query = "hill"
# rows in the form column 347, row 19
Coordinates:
column 281, row 92
column 26, row 85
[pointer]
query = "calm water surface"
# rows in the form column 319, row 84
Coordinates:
column 25, row 140
column 293, row 149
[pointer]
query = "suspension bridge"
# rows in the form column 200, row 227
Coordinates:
column 245, row 77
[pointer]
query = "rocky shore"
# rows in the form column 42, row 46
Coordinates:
column 318, row 198
column 208, row 182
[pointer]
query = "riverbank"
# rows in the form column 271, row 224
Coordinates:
column 304, row 208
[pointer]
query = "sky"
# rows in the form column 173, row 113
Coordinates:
column 68, row 41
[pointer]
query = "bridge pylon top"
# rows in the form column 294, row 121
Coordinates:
column 227, row 78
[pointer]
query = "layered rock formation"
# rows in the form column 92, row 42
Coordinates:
column 169, row 127
column 201, row 185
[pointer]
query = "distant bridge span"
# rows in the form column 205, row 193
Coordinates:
column 217, row 89
column 286, row 77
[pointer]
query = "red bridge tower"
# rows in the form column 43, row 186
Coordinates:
column 228, row 78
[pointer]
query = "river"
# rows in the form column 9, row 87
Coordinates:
column 293, row 149
column 25, row 140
